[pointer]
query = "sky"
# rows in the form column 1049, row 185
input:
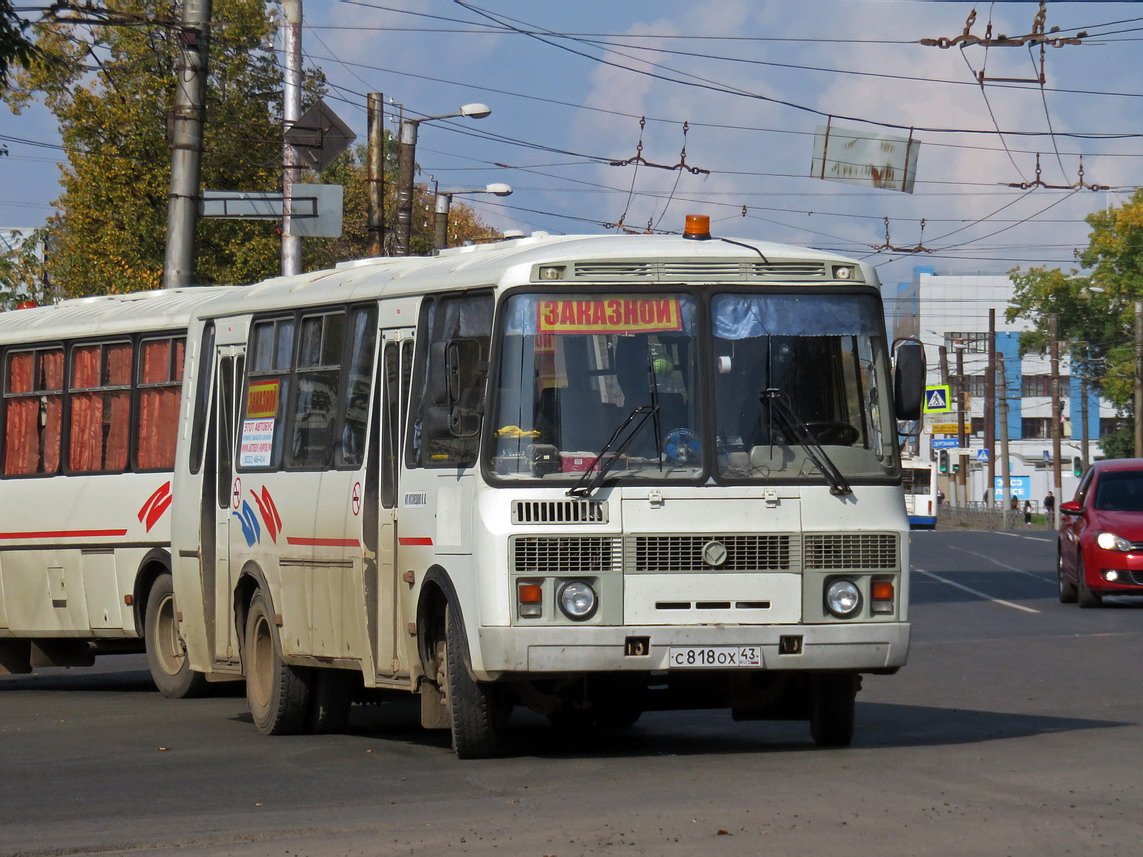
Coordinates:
column 743, row 85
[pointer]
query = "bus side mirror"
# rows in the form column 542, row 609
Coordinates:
column 440, row 373
column 908, row 378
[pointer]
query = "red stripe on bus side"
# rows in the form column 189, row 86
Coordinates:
column 64, row 534
column 414, row 540
column 324, row 543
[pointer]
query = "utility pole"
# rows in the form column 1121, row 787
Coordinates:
column 186, row 143
column 990, row 403
column 1139, row 379
column 291, row 113
column 376, row 147
column 1006, row 475
column 1057, row 416
column 961, row 434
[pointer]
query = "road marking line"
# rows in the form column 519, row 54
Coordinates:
column 1033, row 574
column 977, row 592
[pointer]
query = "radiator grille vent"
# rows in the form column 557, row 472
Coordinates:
column 686, row 553
column 559, row 512
column 860, row 551
column 705, row 270
column 566, row 554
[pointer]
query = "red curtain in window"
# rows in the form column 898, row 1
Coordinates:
column 159, row 406
column 86, row 430
column 51, row 378
column 21, row 447
column 117, row 430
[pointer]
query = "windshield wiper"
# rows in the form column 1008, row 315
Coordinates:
column 593, row 478
column 780, row 407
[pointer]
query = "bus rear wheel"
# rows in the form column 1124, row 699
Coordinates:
column 278, row 693
column 834, row 709
column 470, row 703
column 166, row 651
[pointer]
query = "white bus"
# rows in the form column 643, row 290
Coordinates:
column 591, row 476
column 90, row 407
column 919, row 479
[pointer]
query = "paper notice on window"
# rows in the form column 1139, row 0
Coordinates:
column 257, row 443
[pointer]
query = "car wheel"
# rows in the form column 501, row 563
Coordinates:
column 1086, row 597
column 1067, row 588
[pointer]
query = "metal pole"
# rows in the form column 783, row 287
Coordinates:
column 291, row 112
column 1057, row 416
column 961, row 434
column 440, row 220
column 406, row 166
column 1084, row 455
column 376, row 147
column 186, row 143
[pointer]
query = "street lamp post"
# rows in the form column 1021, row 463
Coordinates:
column 444, row 203
column 406, row 167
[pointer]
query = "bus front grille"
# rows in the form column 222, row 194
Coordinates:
column 851, row 551
column 566, row 554
column 713, row 552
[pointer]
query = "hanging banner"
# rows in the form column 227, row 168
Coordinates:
column 862, row 158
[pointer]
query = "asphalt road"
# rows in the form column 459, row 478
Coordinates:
column 1014, row 730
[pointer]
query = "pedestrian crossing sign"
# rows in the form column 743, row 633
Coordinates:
column 937, row 399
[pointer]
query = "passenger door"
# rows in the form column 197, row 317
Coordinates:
column 227, row 497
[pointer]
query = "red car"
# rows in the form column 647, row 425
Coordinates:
column 1100, row 544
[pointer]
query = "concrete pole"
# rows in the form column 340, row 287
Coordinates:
column 1006, row 475
column 990, row 403
column 406, row 167
column 186, row 143
column 961, row 434
column 376, row 148
column 1057, row 416
column 440, row 220
column 291, row 113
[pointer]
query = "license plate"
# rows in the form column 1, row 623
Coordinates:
column 713, row 657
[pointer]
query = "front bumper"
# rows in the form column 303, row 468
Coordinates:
column 860, row 647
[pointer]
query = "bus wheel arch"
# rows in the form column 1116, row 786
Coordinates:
column 156, row 623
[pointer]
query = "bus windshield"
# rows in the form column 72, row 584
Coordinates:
column 824, row 357
column 578, row 371
column 618, row 381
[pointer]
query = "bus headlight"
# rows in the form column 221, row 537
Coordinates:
column 577, row 600
column 842, row 597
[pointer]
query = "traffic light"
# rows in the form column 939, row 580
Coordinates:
column 1077, row 466
column 956, row 464
column 943, row 461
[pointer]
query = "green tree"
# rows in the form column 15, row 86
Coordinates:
column 1095, row 305
column 111, row 90
column 22, row 276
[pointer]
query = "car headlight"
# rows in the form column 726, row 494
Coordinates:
column 842, row 598
column 1112, row 542
column 577, row 600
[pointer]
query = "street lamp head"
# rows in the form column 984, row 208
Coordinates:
column 475, row 111
column 499, row 189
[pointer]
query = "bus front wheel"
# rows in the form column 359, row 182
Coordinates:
column 278, row 693
column 166, row 652
column 470, row 703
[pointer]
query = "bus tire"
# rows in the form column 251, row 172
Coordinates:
column 166, row 650
column 278, row 693
column 470, row 702
column 834, row 709
column 330, row 700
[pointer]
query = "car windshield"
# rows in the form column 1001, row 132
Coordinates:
column 824, row 356
column 1120, row 491
column 584, row 372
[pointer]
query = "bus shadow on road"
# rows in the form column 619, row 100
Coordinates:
column 682, row 733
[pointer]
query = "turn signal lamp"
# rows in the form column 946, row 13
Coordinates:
column 881, row 596
column 531, row 600
column 697, row 227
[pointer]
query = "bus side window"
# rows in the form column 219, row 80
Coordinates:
column 460, row 325
column 225, row 398
column 33, row 392
column 202, row 396
column 350, row 451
